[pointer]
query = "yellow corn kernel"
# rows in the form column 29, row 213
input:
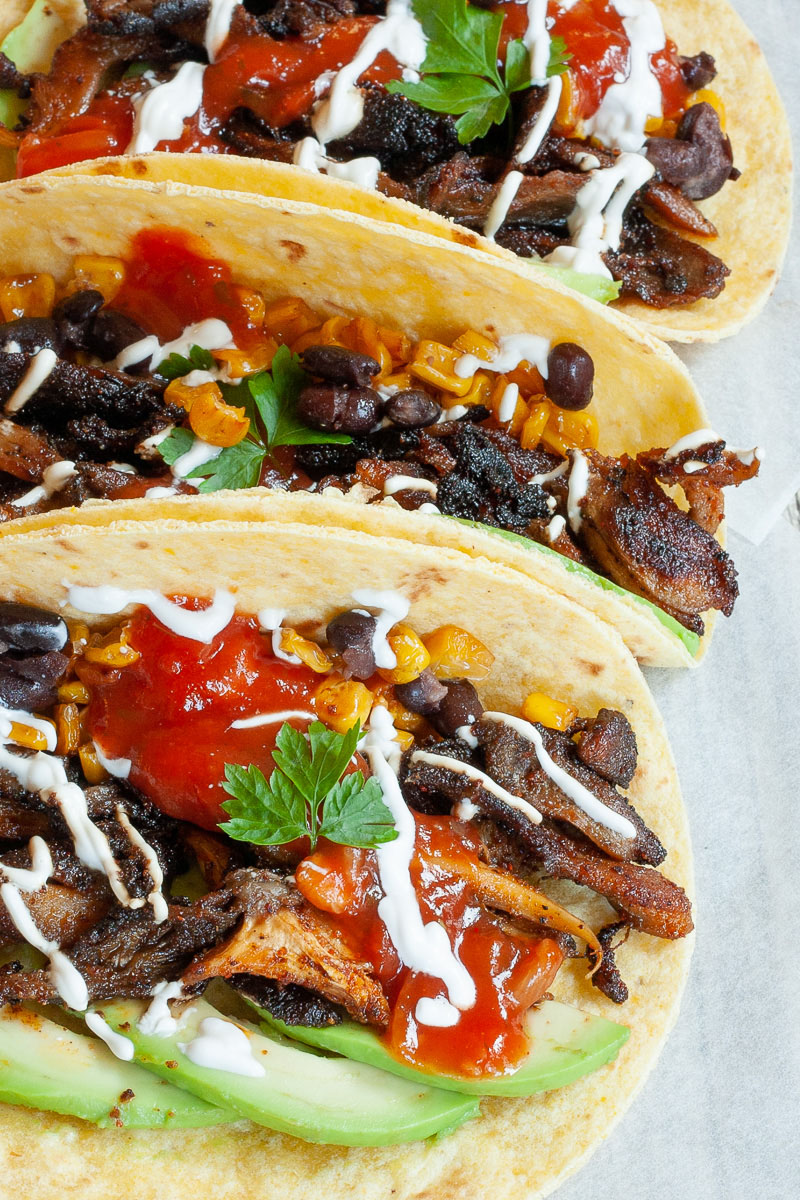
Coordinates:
column 457, row 654
column 252, row 302
column 247, row 362
column 361, row 334
column 74, row 692
column 435, row 363
column 480, row 391
column 398, row 344
column 178, row 392
column 709, row 96
column 403, row 718
column 411, row 654
column 90, row 764
column 569, row 430
column 78, row 636
column 27, row 296
column 533, row 428
column 544, row 710
column 514, row 426
column 567, row 112
column 471, row 342
column 660, row 127
column 402, row 380
column 308, row 652
column 340, row 703
column 216, row 422
column 286, row 320
column 106, row 275
column 112, row 651
column 528, row 379
column 68, row 728
column 27, row 736
column 404, row 739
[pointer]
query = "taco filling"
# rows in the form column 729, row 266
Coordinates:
column 324, row 817
column 161, row 375
column 572, row 132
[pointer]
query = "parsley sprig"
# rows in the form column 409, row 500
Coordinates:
column 460, row 71
column 307, row 794
column 269, row 400
column 178, row 365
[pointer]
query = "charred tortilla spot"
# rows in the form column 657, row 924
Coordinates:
column 295, row 250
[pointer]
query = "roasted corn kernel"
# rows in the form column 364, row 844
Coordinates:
column 90, row 764
column 404, row 739
column 247, row 362
column 544, row 710
column 410, row 652
column 569, row 430
column 435, row 363
column 100, row 272
column 308, row 652
column 181, row 393
column 68, row 728
column 567, row 114
column 457, row 654
column 73, row 692
column 340, row 703
column 216, row 422
column 480, row 390
column 27, row 296
column 27, row 736
column 471, row 342
column 78, row 635
column 112, row 651
column 288, row 319
column 402, row 717
column 534, row 425
column 252, row 303
column 709, row 96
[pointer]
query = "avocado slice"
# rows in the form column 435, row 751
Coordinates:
column 314, row 1097
column 30, row 46
column 565, row 1044
column 48, row 1067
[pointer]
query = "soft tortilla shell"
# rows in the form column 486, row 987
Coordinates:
column 753, row 215
column 342, row 262
column 540, row 641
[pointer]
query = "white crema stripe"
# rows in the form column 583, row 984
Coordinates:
column 222, row 1046
column 620, row 120
column 514, row 349
column 198, row 625
column 392, row 607
column 120, row 1046
column 64, row 975
column 487, row 783
column 218, row 26
column 161, row 111
column 34, row 877
column 570, row 786
column 576, row 490
column 289, row 714
column 39, row 369
column 156, row 898
column 692, row 441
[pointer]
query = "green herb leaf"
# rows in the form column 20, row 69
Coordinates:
column 176, row 445
column 177, row 365
column 276, row 393
column 478, row 122
column 306, row 796
column 451, row 93
column 236, row 467
column 462, row 40
column 559, row 58
column 518, row 66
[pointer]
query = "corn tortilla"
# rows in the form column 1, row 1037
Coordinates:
column 542, row 642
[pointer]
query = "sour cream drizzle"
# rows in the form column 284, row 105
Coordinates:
column 218, row 26
column 199, row 625
column 39, row 369
column 34, row 877
column 65, row 977
column 210, row 334
column 289, row 714
column 270, row 620
column 487, row 783
column 54, row 478
column 162, row 110
column 576, row 792
column 120, row 768
column 120, row 1046
column 157, row 1019
column 420, row 947
column 408, row 483
column 692, row 441
column 578, row 484
column 620, row 120
column 392, row 607
column 514, row 349
column 222, row 1046
column 156, row 897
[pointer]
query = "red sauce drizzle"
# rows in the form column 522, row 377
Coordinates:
column 275, row 80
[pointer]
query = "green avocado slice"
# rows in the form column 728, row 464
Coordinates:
column 690, row 640
column 565, row 1045
column 30, row 46
column 314, row 1097
column 48, row 1067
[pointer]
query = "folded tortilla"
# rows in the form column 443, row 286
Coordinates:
column 541, row 641
column 752, row 215
column 344, row 263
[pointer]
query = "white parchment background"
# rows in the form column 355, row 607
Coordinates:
column 719, row 1118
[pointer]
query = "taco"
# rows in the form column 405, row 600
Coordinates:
column 429, row 377
column 578, row 135
column 275, row 797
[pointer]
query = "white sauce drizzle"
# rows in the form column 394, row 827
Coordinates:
column 17, row 716
column 549, row 476
column 198, row 454
column 210, row 334
column 120, row 768
column 437, row 1012
column 498, row 210
column 555, row 528
column 392, row 607
column 158, row 493
column 464, row 732
column 222, row 1046
column 289, row 714
column 65, row 977
column 576, row 792
column 218, row 26
column 157, row 1019
column 270, row 620
column 198, row 625
column 692, row 441
column 403, row 483
column 34, row 877
column 54, row 478
column 309, row 155
column 156, row 897
column 620, row 120
column 120, row 1046
column 420, row 947
column 513, row 350
column 486, row 782
column 578, row 483
column 508, row 403
column 162, row 110
column 40, row 368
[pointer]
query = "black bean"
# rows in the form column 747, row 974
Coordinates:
column 698, row 71
column 31, row 334
column 110, row 332
column 74, row 315
column 30, row 683
column 350, row 635
column 24, row 628
column 339, row 409
column 460, row 706
column 422, row 695
column 412, row 409
column 336, row 364
column 570, row 376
